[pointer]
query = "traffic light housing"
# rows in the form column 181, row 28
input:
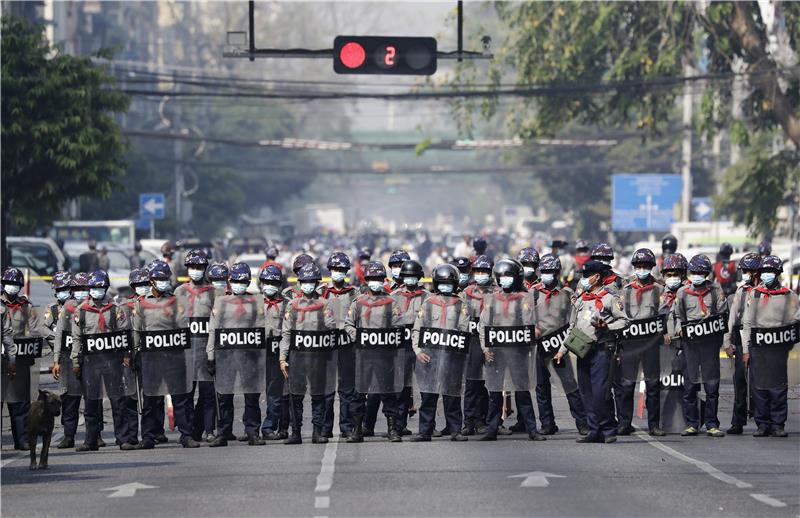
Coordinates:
column 388, row 55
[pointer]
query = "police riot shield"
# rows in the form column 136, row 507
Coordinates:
column 24, row 386
column 241, row 360
column 769, row 355
column 409, row 357
column 380, row 361
column 275, row 381
column 346, row 356
column 702, row 340
column 67, row 381
column 548, row 346
column 445, row 372
column 671, row 387
column 102, row 370
column 312, row 362
column 198, row 337
column 513, row 366
column 640, row 349
column 475, row 355
column 167, row 362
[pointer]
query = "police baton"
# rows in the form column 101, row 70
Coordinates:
column 613, row 367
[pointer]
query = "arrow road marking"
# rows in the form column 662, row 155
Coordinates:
column 127, row 489
column 536, row 478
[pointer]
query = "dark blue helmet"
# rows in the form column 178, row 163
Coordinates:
column 13, row 275
column 80, row 280
column 309, row 273
column 138, row 276
column 675, row 262
column 375, row 270
column 644, row 256
column 725, row 250
column 272, row 252
column 196, row 258
column 700, row 263
column 339, row 260
column 550, row 263
column 271, row 273
column 364, row 255
column 300, row 261
column 99, row 279
column 240, row 272
column 398, row 257
column 479, row 244
column 764, row 248
column 602, row 251
column 218, row 272
column 751, row 261
column 482, row 262
column 772, row 262
column 528, row 255
column 462, row 263
column 61, row 280
column 158, row 269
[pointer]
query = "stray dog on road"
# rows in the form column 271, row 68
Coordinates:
column 41, row 419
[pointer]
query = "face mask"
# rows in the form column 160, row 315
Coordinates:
column 642, row 273
column 672, row 282
column 97, row 293
column 482, row 278
column 585, row 284
column 337, row 276
column 768, row 278
column 446, row 289
column 81, row 294
column 548, row 278
column 395, row 273
column 142, row 291
column 269, row 290
column 529, row 270
column 605, row 261
column 163, row 286
column 238, row 288
column 410, row 281
column 697, row 280
column 747, row 277
column 196, row 275
column 506, row 282
column 220, row 285
column 62, row 296
column 11, row 289
column 463, row 278
column 375, row 286
column 308, row 287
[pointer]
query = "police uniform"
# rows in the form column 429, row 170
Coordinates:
column 409, row 300
column 339, row 301
column 476, row 397
column 276, row 415
column 733, row 340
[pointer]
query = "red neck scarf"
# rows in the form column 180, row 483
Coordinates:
column 273, row 303
column 700, row 294
column 548, row 294
column 640, row 290
column 301, row 310
column 193, row 293
column 336, row 291
column 19, row 303
column 766, row 292
column 369, row 305
column 149, row 304
column 596, row 297
column 101, row 317
column 472, row 292
column 669, row 297
column 444, row 303
column 610, row 279
column 506, row 300
column 239, row 301
column 409, row 295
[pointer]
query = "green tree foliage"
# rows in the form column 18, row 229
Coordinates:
column 60, row 139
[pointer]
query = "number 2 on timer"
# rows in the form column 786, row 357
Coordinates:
column 389, row 57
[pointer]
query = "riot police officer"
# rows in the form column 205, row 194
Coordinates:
column 669, row 245
column 464, row 269
column 396, row 260
column 276, row 417
column 770, row 328
column 440, row 341
column 196, row 297
column 476, row 397
column 308, row 354
column 529, row 257
column 598, row 315
column 301, row 260
column 362, row 259
column 749, row 266
column 673, row 275
column 62, row 344
column 605, row 254
column 701, row 311
column 582, row 254
column 553, row 310
column 724, row 270
column 764, row 249
column 641, row 343
column 218, row 277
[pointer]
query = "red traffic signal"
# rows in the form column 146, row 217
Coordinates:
column 384, row 55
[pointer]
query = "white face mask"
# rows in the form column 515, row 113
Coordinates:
column 672, row 282
column 81, row 294
column 97, row 293
column 11, row 289
column 238, row 288
column 337, row 276
column 585, row 284
column 308, row 287
column 163, row 286
column 410, row 281
column 642, row 273
column 463, row 278
column 747, row 277
column 548, row 278
column 697, row 279
column 269, row 290
column 196, row 275
column 375, row 286
column 768, row 278
column 396, row 272
column 529, row 270
column 220, row 285
column 447, row 289
column 506, row 282
column 142, row 291
column 62, row 296
column 482, row 278
column 605, row 261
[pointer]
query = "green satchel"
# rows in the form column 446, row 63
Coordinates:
column 578, row 342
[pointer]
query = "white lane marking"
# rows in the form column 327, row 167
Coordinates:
column 699, row 464
column 536, row 478
column 126, row 490
column 322, row 502
column 328, row 467
column 766, row 499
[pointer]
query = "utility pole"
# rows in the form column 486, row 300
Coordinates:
column 178, row 155
column 686, row 145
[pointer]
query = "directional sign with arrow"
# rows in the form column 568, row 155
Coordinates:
column 152, row 205
column 536, row 478
column 126, row 490
column 702, row 209
column 644, row 202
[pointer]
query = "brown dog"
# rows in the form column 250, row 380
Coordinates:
column 41, row 419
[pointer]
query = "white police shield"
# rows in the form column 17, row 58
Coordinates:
column 312, row 362
column 513, row 366
column 769, row 355
column 640, row 345
column 409, row 357
column 475, row 356
column 241, row 360
column 67, row 381
column 548, row 346
column 167, row 362
column 24, row 386
column 445, row 372
column 380, row 361
column 198, row 336
column 346, row 357
column 103, row 373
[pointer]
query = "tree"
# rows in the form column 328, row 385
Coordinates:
column 60, row 139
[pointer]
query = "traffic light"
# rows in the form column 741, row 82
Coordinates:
column 394, row 55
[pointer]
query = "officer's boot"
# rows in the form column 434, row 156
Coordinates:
column 468, row 429
column 317, row 437
column 393, row 435
column 295, row 437
column 357, row 435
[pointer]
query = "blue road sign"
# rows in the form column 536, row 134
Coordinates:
column 143, row 224
column 152, row 205
column 702, row 209
column 644, row 202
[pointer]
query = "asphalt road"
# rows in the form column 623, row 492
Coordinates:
column 637, row 476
